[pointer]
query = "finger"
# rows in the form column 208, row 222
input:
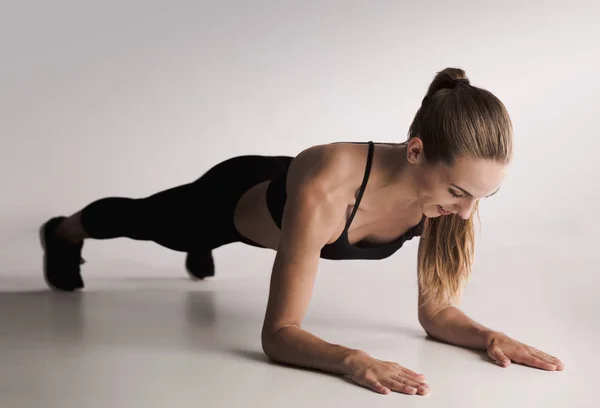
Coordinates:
column 498, row 356
column 421, row 387
column 544, row 357
column 560, row 366
column 549, row 358
column 372, row 383
column 398, row 386
column 411, row 373
column 408, row 380
column 528, row 358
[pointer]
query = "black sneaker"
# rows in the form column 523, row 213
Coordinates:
column 200, row 264
column 62, row 259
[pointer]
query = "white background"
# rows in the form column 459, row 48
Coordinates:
column 126, row 98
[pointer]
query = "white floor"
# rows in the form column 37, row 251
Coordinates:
column 145, row 336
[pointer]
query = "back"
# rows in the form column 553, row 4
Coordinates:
column 331, row 170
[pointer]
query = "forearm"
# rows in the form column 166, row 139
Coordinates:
column 295, row 346
column 453, row 326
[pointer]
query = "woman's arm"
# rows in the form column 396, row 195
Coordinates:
column 321, row 183
column 449, row 324
column 317, row 191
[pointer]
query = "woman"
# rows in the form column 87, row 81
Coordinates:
column 335, row 201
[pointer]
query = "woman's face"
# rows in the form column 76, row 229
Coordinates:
column 445, row 190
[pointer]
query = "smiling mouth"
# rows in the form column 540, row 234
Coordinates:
column 443, row 211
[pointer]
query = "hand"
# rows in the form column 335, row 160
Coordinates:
column 502, row 349
column 385, row 376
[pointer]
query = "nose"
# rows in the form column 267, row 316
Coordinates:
column 466, row 208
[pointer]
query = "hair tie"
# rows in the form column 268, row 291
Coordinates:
column 455, row 83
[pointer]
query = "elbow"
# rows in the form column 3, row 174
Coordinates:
column 426, row 323
column 430, row 328
column 425, row 317
column 273, row 343
column 429, row 320
column 268, row 345
column 433, row 321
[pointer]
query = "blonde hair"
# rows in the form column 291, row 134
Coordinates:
column 456, row 120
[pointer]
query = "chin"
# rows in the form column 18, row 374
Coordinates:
column 431, row 213
column 434, row 212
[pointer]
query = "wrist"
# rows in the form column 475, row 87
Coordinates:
column 352, row 360
column 488, row 336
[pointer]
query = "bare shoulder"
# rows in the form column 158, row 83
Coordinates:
column 328, row 168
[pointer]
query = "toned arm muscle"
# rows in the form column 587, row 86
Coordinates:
column 320, row 184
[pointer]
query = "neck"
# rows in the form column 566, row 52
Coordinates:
column 402, row 179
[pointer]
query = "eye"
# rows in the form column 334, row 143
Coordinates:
column 455, row 194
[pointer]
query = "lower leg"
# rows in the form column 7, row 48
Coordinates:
column 144, row 219
column 165, row 218
column 71, row 229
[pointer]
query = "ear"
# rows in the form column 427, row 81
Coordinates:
column 414, row 151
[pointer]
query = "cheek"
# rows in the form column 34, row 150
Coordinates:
column 429, row 187
column 434, row 182
column 436, row 195
column 434, row 190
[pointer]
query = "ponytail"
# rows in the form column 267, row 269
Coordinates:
column 455, row 120
column 445, row 257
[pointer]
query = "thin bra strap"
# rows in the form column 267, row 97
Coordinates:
column 363, row 185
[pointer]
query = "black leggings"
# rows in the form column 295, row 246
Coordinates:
column 194, row 216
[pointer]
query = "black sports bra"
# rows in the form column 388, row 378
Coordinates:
column 341, row 248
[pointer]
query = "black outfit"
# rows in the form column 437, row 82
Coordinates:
column 198, row 217
column 191, row 217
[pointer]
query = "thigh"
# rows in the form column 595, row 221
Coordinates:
column 201, row 213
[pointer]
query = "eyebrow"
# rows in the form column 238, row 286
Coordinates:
column 471, row 195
